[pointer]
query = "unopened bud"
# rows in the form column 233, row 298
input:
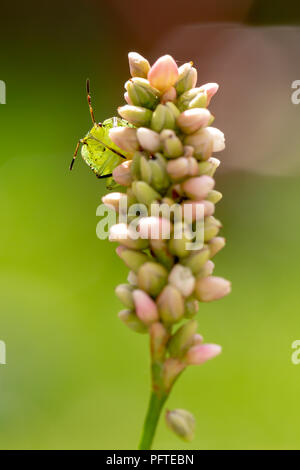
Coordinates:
column 135, row 165
column 119, row 250
column 154, row 228
column 212, row 288
column 191, row 307
column 125, row 138
column 158, row 340
column 144, row 193
column 163, row 73
column 182, row 339
column 141, row 93
column 209, row 166
column 124, row 293
column 159, row 177
column 193, row 119
column 145, row 307
column 178, row 168
column 113, row 200
column 199, row 101
column 182, row 278
column 138, row 65
column 178, row 245
column 132, row 278
column 173, row 109
column 152, row 277
column 197, row 188
column 170, row 305
column 133, row 259
column 181, row 167
column 207, row 269
column 193, row 169
column 121, row 233
column 195, row 210
column 211, row 227
column 197, row 339
column 136, row 115
column 169, row 95
column 182, row 423
column 129, row 318
column 199, row 354
column 148, row 139
column 214, row 196
column 195, row 95
column 145, row 170
column 122, row 174
column 160, row 250
column 163, row 118
column 127, row 99
column 210, row 89
column 188, row 151
column 215, row 245
column 205, row 141
column 172, row 145
column 196, row 260
column 187, row 78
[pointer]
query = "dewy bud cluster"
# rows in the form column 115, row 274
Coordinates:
column 172, row 171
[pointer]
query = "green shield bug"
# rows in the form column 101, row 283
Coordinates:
column 97, row 149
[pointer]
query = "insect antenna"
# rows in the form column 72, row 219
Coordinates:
column 89, row 100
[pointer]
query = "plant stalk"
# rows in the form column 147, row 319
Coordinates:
column 152, row 417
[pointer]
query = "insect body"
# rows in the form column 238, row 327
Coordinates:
column 97, row 149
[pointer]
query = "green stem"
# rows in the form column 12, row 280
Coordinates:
column 154, row 409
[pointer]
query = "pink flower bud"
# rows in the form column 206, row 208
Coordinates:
column 163, row 73
column 154, row 228
column 199, row 354
column 145, row 307
column 198, row 187
column 170, row 304
column 112, row 200
column 193, row 168
column 215, row 245
column 182, row 278
column 205, row 141
column 148, row 139
column 132, row 278
column 125, row 138
column 210, row 89
column 193, row 119
column 205, row 208
column 212, row 288
column 119, row 250
column 197, row 339
column 169, row 95
column 127, row 98
column 126, row 236
column 122, row 174
column 138, row 65
column 207, row 269
column 178, row 168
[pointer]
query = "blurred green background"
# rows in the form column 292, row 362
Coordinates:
column 75, row 377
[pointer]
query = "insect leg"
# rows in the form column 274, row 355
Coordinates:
column 104, row 176
column 76, row 152
column 107, row 146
